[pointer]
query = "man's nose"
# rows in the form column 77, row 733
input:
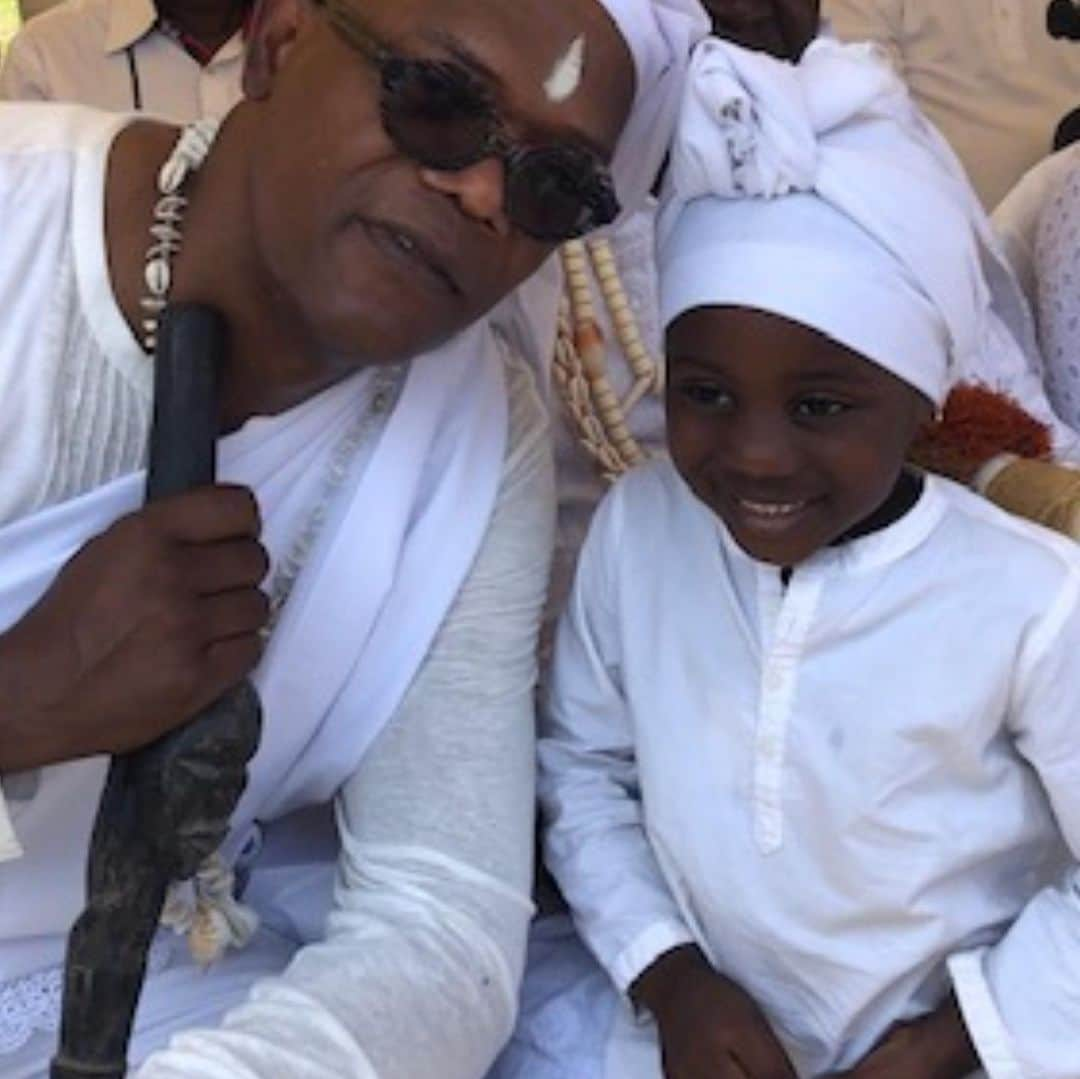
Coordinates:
column 480, row 191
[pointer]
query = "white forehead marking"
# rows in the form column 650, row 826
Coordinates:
column 565, row 76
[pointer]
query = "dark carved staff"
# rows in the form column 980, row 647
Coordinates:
column 166, row 807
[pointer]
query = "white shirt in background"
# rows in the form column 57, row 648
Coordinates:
column 111, row 55
column 849, row 792
column 986, row 72
column 1016, row 219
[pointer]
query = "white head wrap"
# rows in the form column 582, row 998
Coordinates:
column 817, row 191
column 660, row 35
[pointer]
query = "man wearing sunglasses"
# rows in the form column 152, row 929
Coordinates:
column 376, row 553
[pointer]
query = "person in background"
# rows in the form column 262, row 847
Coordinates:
column 988, row 74
column 176, row 59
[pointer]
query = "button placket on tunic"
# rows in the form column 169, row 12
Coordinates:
column 785, row 621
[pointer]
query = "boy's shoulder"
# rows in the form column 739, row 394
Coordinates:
column 989, row 538
column 646, row 490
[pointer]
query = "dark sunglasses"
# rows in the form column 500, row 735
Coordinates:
column 440, row 115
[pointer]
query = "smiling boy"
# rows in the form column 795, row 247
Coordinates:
column 810, row 764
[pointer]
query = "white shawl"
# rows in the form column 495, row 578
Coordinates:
column 396, row 548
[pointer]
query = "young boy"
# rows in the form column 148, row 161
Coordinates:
column 812, row 760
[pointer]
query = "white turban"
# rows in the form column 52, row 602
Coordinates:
column 660, row 35
column 817, row 191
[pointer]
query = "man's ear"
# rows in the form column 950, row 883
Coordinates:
column 273, row 30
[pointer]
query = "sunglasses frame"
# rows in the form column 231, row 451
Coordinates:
column 599, row 204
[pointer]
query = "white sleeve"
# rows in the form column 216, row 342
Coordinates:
column 880, row 21
column 1021, row 997
column 21, row 75
column 419, row 972
column 595, row 840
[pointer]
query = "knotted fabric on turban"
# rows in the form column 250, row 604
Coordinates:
column 660, row 35
column 817, row 191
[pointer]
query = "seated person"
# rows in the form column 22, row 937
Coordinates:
column 810, row 765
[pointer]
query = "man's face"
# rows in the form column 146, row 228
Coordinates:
column 378, row 256
column 790, row 438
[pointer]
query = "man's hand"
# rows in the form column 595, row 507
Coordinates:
column 145, row 626
column 935, row 1047
column 782, row 28
column 709, row 1028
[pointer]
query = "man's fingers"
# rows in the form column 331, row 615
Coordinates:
column 224, row 566
column 207, row 514
column 233, row 614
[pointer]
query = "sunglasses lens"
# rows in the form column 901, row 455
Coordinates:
column 555, row 193
column 435, row 113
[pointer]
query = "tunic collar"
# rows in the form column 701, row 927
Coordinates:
column 868, row 552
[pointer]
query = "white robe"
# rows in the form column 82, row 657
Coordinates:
column 848, row 792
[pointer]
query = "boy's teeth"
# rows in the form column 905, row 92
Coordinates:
column 771, row 509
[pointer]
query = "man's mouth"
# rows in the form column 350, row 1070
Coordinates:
column 403, row 243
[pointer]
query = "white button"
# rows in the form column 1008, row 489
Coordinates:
column 774, row 680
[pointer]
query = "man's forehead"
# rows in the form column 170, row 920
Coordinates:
column 538, row 54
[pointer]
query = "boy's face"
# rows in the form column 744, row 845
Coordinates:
column 789, row 437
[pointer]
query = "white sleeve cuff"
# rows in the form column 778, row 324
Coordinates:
column 981, row 1015
column 645, row 949
column 9, row 841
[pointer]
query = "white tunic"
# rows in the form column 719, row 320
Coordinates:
column 846, row 791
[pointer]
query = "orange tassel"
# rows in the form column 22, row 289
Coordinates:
column 977, row 425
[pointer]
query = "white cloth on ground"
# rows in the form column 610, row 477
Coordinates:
column 112, row 55
column 792, row 184
column 846, row 791
column 985, row 72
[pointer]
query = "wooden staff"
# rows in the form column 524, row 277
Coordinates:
column 166, row 807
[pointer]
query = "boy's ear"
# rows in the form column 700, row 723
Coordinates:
column 273, row 31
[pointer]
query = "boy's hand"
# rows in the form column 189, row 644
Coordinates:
column 145, row 626
column 781, row 27
column 935, row 1047
column 709, row 1028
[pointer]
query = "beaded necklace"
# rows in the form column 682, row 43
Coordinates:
column 580, row 364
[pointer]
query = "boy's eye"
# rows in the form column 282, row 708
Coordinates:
column 820, row 407
column 705, row 394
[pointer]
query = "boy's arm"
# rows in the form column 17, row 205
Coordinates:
column 1020, row 998
column 595, row 840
